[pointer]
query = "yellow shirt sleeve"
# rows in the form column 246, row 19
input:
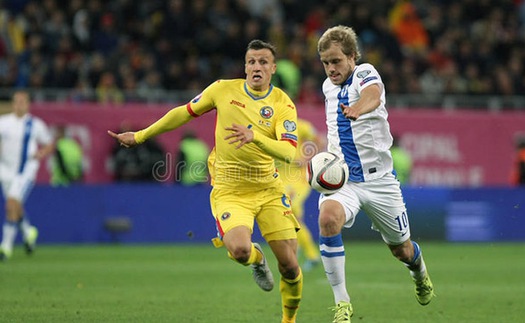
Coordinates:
column 175, row 118
column 284, row 150
column 178, row 116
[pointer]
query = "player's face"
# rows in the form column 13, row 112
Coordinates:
column 20, row 103
column 337, row 66
column 259, row 68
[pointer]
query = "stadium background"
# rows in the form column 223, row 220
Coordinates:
column 453, row 70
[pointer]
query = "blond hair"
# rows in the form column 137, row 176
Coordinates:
column 342, row 35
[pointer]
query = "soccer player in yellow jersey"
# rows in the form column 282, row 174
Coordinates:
column 294, row 177
column 256, row 123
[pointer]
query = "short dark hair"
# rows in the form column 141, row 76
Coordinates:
column 258, row 44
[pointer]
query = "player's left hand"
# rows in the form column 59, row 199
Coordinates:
column 240, row 134
column 349, row 112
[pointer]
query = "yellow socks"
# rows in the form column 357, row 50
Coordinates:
column 291, row 292
column 255, row 257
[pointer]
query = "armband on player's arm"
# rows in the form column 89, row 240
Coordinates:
column 174, row 118
column 281, row 149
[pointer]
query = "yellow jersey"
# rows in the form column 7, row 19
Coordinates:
column 271, row 114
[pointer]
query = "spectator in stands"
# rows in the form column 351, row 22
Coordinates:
column 107, row 90
column 488, row 36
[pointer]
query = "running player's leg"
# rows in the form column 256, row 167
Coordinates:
column 389, row 216
column 279, row 227
column 234, row 214
column 16, row 191
column 9, row 228
column 336, row 212
column 291, row 283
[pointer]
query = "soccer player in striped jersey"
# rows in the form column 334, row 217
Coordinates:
column 256, row 122
column 359, row 132
column 24, row 141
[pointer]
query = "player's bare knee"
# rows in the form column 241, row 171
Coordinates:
column 240, row 254
column 13, row 210
column 289, row 270
column 329, row 224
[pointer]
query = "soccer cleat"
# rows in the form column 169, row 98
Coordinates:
column 30, row 240
column 343, row 312
column 262, row 273
column 5, row 254
column 424, row 291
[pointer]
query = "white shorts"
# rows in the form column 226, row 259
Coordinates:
column 382, row 201
column 19, row 185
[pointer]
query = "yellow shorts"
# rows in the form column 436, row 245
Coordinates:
column 271, row 208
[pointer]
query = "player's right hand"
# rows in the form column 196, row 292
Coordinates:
column 126, row 139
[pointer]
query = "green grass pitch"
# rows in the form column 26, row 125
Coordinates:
column 198, row 283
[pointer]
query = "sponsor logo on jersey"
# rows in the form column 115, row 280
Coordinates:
column 238, row 104
column 285, row 200
column 266, row 112
column 363, row 74
column 368, row 79
column 290, row 125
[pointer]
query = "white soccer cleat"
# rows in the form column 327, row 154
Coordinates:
column 262, row 273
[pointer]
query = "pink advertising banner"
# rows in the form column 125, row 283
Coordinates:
column 449, row 148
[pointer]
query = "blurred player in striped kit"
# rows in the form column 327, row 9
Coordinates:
column 24, row 141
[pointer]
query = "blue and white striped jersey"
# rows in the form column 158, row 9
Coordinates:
column 19, row 140
column 364, row 143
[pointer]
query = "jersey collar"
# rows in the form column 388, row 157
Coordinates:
column 349, row 79
column 257, row 95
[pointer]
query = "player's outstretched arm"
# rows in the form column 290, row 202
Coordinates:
column 126, row 139
column 370, row 99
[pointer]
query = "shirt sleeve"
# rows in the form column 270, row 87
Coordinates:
column 179, row 116
column 367, row 75
column 44, row 136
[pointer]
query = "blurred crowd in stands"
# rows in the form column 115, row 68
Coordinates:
column 123, row 50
